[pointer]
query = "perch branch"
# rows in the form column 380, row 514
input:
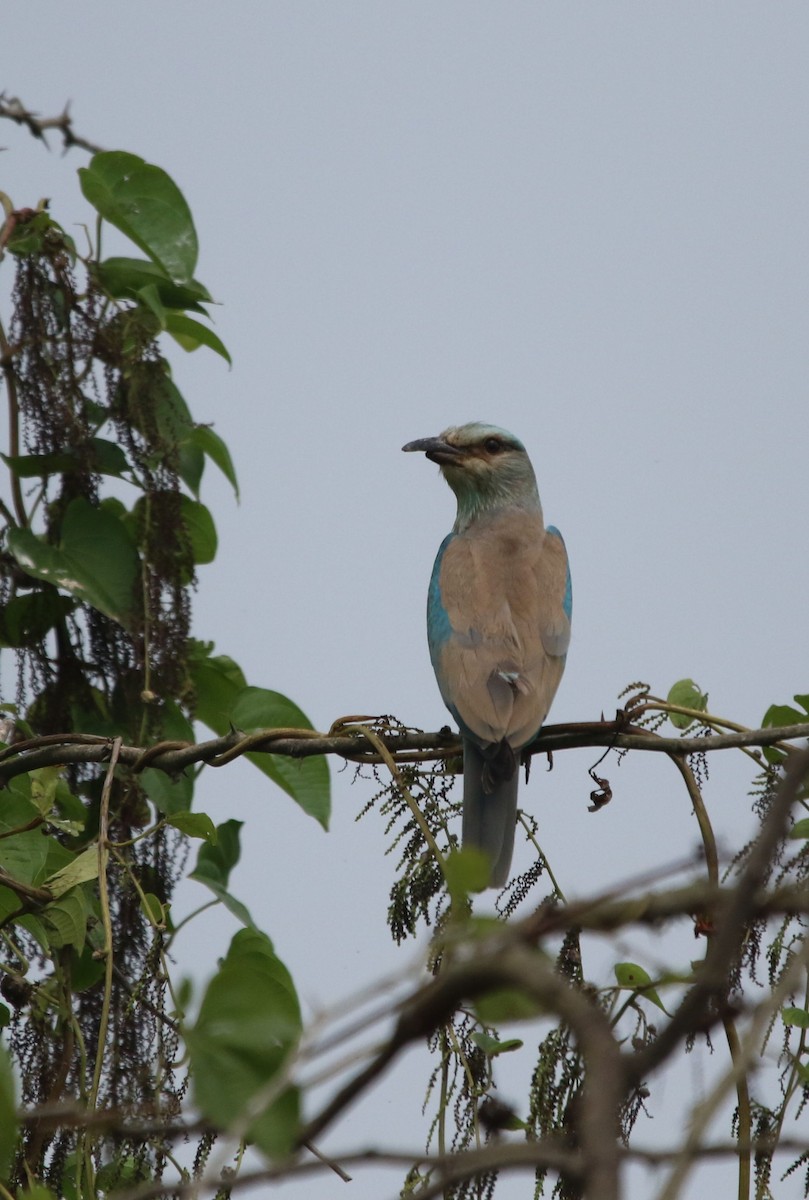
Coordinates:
column 404, row 745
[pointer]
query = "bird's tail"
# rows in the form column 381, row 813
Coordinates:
column 489, row 809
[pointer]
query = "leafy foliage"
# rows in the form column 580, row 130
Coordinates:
column 101, row 543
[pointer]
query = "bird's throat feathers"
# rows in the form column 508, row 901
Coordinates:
column 482, row 491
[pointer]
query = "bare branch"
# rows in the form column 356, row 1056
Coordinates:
column 13, row 109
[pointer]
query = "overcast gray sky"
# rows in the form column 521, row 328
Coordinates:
column 585, row 222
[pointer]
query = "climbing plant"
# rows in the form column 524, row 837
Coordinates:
column 103, row 534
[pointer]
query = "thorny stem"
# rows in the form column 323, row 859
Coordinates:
column 13, row 425
column 13, row 109
column 106, row 917
column 352, row 743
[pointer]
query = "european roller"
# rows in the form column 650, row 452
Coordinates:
column 498, row 622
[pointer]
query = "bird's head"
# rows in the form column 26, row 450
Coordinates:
column 486, row 467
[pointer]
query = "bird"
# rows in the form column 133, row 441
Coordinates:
column 499, row 609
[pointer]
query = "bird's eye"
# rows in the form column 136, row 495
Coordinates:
column 493, row 445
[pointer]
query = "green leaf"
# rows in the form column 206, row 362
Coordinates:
column 223, row 700
column 125, row 278
column 235, row 907
column 306, row 780
column 57, row 857
column 174, row 724
column 686, row 694
column 8, row 1113
column 211, row 444
column 797, row 1017
column 150, row 298
column 96, row 561
column 800, row 829
column 154, row 910
column 44, row 782
column 37, row 466
column 66, row 920
column 630, row 975
column 168, row 793
column 782, row 714
column 249, row 1023
column 20, row 809
column 493, row 1046
column 39, row 234
column 109, row 459
column 145, row 204
column 83, row 868
column 191, row 334
column 466, row 871
column 69, row 806
column 513, row 1123
column 173, row 415
column 201, row 529
column 9, row 902
column 197, row 825
column 191, row 465
column 86, row 969
column 101, row 456
column 183, row 994
column 26, row 619
column 215, row 861
column 24, row 856
column 506, row 1004
column 120, row 1175
column 217, row 681
column 37, row 930
column 634, row 978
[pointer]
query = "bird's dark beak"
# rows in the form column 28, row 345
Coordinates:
column 437, row 450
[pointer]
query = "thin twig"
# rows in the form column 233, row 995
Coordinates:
column 13, row 109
